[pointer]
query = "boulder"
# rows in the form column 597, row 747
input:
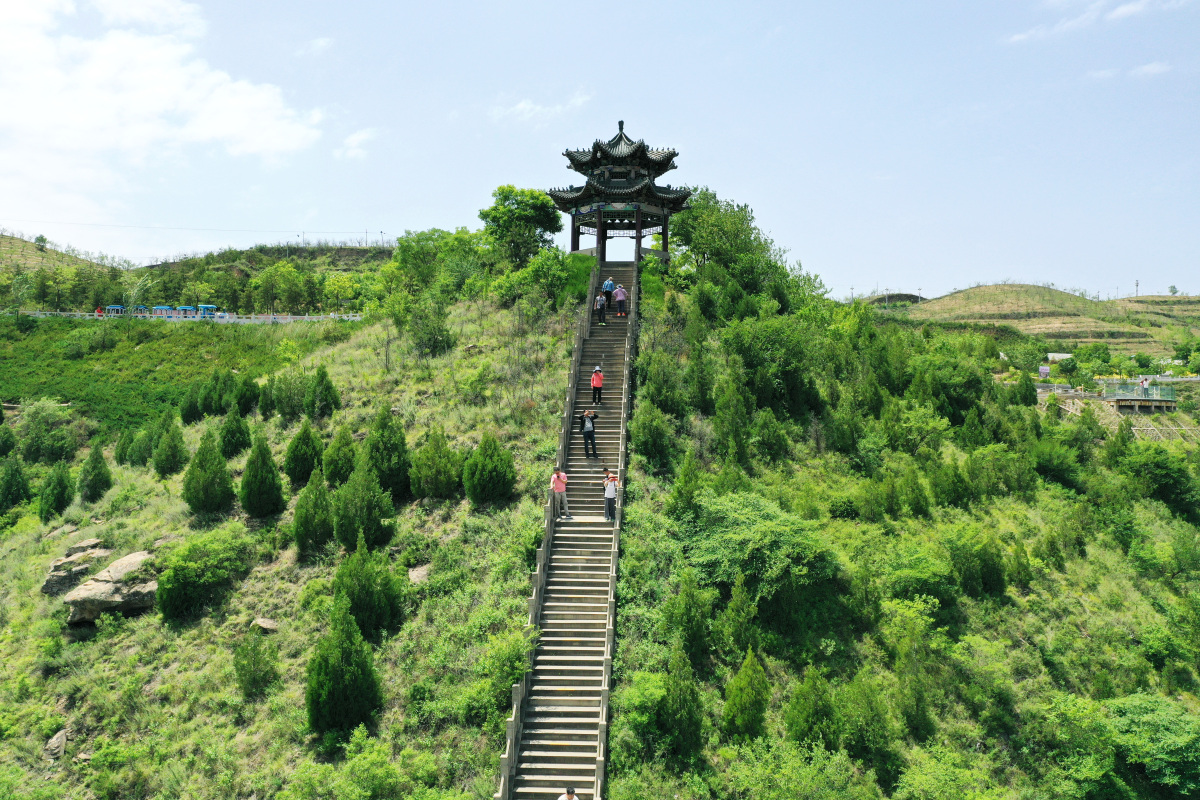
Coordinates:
column 265, row 625
column 57, row 745
column 83, row 544
column 66, row 572
column 113, row 590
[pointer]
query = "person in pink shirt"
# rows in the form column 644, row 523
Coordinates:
column 619, row 295
column 597, row 385
column 558, row 495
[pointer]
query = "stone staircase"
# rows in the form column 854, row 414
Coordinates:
column 558, row 730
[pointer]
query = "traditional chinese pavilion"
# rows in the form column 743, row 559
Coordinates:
column 619, row 196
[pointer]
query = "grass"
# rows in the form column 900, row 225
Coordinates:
column 18, row 253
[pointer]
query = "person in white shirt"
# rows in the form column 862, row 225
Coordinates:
column 611, row 484
column 570, row 795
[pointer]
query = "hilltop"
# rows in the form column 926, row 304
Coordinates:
column 1152, row 324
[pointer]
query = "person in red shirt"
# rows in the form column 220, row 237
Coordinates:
column 597, row 385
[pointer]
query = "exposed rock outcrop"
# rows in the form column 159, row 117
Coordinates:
column 67, row 571
column 115, row 589
column 57, row 745
column 265, row 625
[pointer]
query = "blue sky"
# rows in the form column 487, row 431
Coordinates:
column 926, row 145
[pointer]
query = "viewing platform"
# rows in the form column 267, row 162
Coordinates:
column 1130, row 398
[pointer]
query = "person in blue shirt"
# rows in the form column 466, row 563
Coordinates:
column 608, row 287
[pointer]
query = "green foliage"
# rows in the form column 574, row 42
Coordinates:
column 247, row 394
column 255, row 665
column 436, row 469
column 688, row 615
column 266, row 399
column 681, row 503
column 235, row 434
column 811, row 715
column 489, row 474
column 1159, row 736
column 94, row 478
column 682, row 714
column 170, row 454
column 56, row 493
column 48, row 432
column 652, row 435
column 768, row 437
column 312, row 525
column 121, row 449
column 746, row 699
column 8, row 441
column 261, row 492
column 360, row 508
column 321, row 399
column 520, row 222
column 14, row 487
column 375, row 592
column 736, row 621
column 287, row 391
column 141, row 450
column 426, row 325
column 732, row 421
column 1025, row 392
column 339, row 457
column 207, row 484
column 200, row 570
column 304, row 455
column 386, row 450
column 190, row 410
column 342, row 688
column 1164, row 475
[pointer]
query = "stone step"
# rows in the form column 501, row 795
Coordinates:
column 562, row 766
column 557, row 757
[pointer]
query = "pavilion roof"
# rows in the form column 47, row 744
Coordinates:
column 621, row 151
column 636, row 190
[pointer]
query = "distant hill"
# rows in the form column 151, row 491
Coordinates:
column 1130, row 324
column 19, row 253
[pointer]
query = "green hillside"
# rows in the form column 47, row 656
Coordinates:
column 856, row 561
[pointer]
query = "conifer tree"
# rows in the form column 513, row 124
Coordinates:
column 14, row 488
column 342, row 688
column 321, row 399
column 94, row 477
column 339, row 457
column 690, row 612
column 360, row 507
column 682, row 709
column 699, row 378
column 164, row 424
column 304, row 455
column 226, row 391
column 121, row 450
column 207, row 484
column 246, row 397
column 189, row 409
column 235, row 433
column 313, row 523
column 1025, row 392
column 972, row 434
column 737, row 620
column 488, row 473
column 387, row 451
column 261, row 491
column 682, row 500
column 141, row 449
column 746, row 697
column 436, row 469
column 57, row 492
column 210, row 395
column 375, row 592
column 8, row 440
column 266, row 399
column 811, row 716
column 732, row 421
column 170, row 455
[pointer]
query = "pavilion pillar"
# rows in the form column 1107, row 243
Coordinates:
column 574, row 233
column 666, row 247
column 601, row 237
column 637, row 247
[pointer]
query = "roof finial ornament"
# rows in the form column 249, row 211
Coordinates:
column 620, row 126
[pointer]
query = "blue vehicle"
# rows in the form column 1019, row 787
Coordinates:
column 163, row 312
column 185, row 311
column 114, row 311
column 207, row 312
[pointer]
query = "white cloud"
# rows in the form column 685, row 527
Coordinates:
column 1095, row 11
column 315, row 47
column 527, row 110
column 135, row 94
column 1153, row 68
column 1103, row 74
column 352, row 145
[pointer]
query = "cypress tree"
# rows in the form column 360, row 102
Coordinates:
column 246, row 397
column 387, row 451
column 732, row 421
column 141, row 449
column 339, row 457
column 235, row 434
column 682, row 500
column 8, row 440
column 303, row 456
column 699, row 379
column 746, row 698
column 94, row 477
column 207, row 484
column 313, row 523
column 266, row 399
column 359, row 508
column 375, row 592
column 165, row 422
column 170, row 455
column 321, row 398
column 489, row 474
column 57, row 492
column 342, row 689
column 210, row 395
column 811, row 716
column 436, row 470
column 121, row 451
column 682, row 710
column 737, row 620
column 189, row 409
column 261, row 491
column 226, row 391
column 14, row 488
column 1025, row 392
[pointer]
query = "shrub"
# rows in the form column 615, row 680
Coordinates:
column 261, row 491
column 8, row 440
column 339, row 457
column 200, row 570
column 57, row 492
column 14, row 488
column 652, row 435
column 287, row 395
column 746, row 698
column 266, row 399
column 359, row 509
column 736, row 622
column 170, row 455
column 121, row 450
column 313, row 522
column 235, row 434
column 375, row 592
column 190, row 410
column 387, row 452
column 321, row 398
column 1164, row 475
column 811, row 715
column 255, row 665
column 688, row 614
column 94, row 477
column 207, row 484
column 48, row 432
column 768, row 435
column 342, row 689
column 436, row 469
column 246, row 396
column 682, row 500
column 303, row 455
column 488, row 473
column 427, row 326
column 141, row 449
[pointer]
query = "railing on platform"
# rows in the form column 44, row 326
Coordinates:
column 1133, row 391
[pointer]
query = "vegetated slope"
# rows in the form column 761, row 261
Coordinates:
column 153, row 707
column 856, row 565
column 17, row 254
column 123, row 372
column 1149, row 324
